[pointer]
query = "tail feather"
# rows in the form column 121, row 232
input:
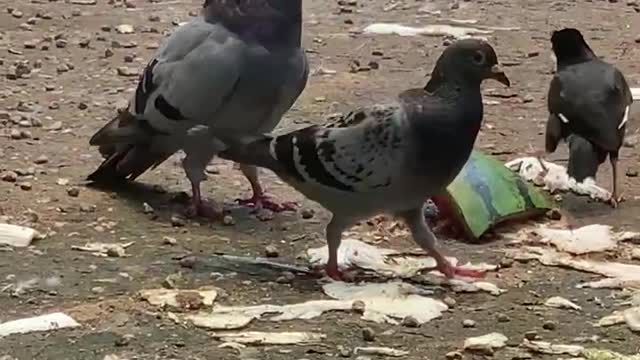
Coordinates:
column 125, row 143
column 584, row 158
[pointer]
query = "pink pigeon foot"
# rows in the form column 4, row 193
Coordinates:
column 265, row 202
column 450, row 271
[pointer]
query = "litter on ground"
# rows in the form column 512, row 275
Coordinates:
column 587, row 239
column 180, row 299
column 486, row 344
column 383, row 303
column 270, row 338
column 561, row 303
column 618, row 275
column 544, row 347
column 556, row 178
column 53, row 321
column 385, row 262
column 458, row 32
column 16, row 236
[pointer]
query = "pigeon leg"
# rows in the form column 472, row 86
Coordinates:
column 427, row 240
column 194, row 168
column 334, row 237
column 615, row 199
column 259, row 199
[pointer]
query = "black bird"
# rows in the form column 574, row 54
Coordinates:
column 386, row 158
column 588, row 102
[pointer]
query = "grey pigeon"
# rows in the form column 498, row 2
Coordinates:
column 589, row 99
column 386, row 158
column 239, row 65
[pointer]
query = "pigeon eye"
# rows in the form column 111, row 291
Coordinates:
column 478, row 58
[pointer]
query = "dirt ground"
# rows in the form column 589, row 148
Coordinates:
column 81, row 69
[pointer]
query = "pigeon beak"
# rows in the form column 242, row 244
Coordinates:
column 498, row 75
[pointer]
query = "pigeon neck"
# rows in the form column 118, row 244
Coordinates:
column 571, row 56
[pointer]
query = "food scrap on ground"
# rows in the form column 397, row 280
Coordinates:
column 16, row 236
column 48, row 322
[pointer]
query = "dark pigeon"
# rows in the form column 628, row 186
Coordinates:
column 239, row 65
column 590, row 100
column 387, row 157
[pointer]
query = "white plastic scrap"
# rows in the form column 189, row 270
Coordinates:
column 376, row 350
column 388, row 302
column 270, row 338
column 618, row 275
column 183, row 299
column 103, row 249
column 486, row 343
column 584, row 240
column 457, row 32
column 543, row 347
column 556, row 178
column 16, row 236
column 561, row 303
column 53, row 321
column 635, row 93
column 386, row 262
column 236, row 317
column 632, row 318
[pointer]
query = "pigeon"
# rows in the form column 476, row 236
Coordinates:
column 588, row 99
column 385, row 158
column 239, row 65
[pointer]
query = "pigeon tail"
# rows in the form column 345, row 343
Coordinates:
column 584, row 158
column 125, row 143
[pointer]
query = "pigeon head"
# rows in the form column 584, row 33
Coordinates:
column 468, row 61
column 569, row 46
column 270, row 22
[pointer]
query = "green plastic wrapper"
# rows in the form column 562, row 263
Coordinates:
column 487, row 193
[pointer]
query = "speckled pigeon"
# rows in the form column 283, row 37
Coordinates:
column 386, row 158
column 588, row 103
column 239, row 65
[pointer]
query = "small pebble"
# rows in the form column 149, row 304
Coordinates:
column 503, row 318
column 307, row 213
column 468, row 323
column 124, row 340
column 167, row 240
column 554, row 214
column 178, row 221
column 147, row 209
column 73, row 191
column 454, row 355
column 531, row 335
column 271, row 251
column 26, row 186
column 228, row 220
column 358, row 307
column 549, row 325
column 410, row 322
column 451, row 302
column 368, row 334
column 9, row 176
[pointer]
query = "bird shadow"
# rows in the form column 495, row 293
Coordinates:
column 584, row 209
column 164, row 205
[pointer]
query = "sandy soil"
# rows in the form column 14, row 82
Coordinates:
column 74, row 53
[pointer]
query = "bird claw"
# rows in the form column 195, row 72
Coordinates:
column 615, row 201
column 265, row 202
